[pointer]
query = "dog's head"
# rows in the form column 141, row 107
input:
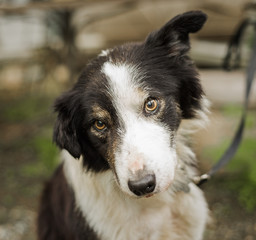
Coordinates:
column 125, row 109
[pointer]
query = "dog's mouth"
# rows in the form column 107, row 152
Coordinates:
column 149, row 195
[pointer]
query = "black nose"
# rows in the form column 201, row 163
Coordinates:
column 143, row 185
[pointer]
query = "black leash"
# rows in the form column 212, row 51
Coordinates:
column 230, row 152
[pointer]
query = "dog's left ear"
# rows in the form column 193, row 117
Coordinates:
column 175, row 34
column 172, row 41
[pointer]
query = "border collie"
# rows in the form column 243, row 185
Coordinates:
column 127, row 166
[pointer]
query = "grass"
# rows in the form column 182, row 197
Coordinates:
column 24, row 108
column 46, row 154
column 234, row 111
column 27, row 153
column 243, row 166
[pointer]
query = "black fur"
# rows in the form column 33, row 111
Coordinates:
column 167, row 69
column 58, row 218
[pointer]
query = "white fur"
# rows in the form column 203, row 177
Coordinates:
column 104, row 53
column 145, row 143
column 150, row 143
column 115, row 216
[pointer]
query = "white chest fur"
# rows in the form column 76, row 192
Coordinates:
column 115, row 216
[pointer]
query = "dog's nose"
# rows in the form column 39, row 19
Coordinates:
column 143, row 185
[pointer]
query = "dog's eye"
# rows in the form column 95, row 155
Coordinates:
column 99, row 125
column 151, row 105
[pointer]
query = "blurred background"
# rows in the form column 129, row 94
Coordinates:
column 44, row 46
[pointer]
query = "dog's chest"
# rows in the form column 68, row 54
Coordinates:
column 110, row 214
column 126, row 222
column 114, row 216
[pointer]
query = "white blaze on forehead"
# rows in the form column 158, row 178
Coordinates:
column 125, row 86
column 145, row 142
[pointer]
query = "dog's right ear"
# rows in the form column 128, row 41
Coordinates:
column 65, row 135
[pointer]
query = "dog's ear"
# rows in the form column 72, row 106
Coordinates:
column 172, row 41
column 68, row 133
column 175, row 34
column 65, row 135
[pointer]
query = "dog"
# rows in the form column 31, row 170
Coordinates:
column 123, row 130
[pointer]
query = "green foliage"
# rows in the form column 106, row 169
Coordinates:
column 27, row 153
column 46, row 157
column 24, row 108
column 231, row 110
column 29, row 112
column 243, row 165
column 247, row 195
column 243, row 168
column 234, row 111
column 46, row 151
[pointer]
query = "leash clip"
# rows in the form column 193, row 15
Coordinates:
column 199, row 180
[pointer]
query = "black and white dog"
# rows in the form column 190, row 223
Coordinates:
column 127, row 166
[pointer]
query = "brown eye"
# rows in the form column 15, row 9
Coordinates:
column 99, row 125
column 151, row 105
